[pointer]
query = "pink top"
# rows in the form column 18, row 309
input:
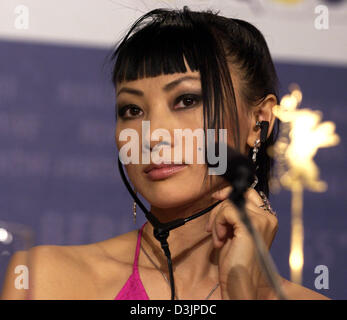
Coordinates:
column 133, row 288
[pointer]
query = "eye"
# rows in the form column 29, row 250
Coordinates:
column 187, row 101
column 129, row 111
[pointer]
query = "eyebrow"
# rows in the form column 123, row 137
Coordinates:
column 169, row 86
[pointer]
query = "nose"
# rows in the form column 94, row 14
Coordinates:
column 155, row 138
column 153, row 145
column 157, row 130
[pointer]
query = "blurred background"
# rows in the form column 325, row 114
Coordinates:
column 58, row 174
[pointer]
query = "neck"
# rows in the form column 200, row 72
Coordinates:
column 192, row 252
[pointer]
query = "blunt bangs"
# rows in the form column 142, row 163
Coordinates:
column 157, row 50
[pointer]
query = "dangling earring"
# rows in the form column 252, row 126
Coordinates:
column 264, row 128
column 255, row 151
column 134, row 209
column 254, row 159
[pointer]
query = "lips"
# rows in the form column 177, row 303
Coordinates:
column 159, row 166
column 163, row 171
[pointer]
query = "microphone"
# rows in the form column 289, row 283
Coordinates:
column 240, row 174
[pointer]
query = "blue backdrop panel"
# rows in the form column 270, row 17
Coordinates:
column 58, row 172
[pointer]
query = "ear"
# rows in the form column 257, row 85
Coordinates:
column 261, row 112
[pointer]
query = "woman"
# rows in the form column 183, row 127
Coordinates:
column 180, row 69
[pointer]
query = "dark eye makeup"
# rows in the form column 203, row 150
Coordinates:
column 189, row 100
column 184, row 101
column 129, row 111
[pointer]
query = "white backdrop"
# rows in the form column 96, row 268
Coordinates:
column 288, row 25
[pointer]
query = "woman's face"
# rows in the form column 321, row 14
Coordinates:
column 169, row 102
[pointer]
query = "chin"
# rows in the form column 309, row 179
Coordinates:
column 173, row 192
column 167, row 195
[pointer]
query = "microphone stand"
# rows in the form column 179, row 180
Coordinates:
column 266, row 262
column 240, row 175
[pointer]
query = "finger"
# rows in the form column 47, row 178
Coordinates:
column 219, row 234
column 262, row 220
column 251, row 206
column 209, row 223
column 212, row 215
column 217, row 241
column 225, row 224
column 254, row 197
column 256, row 203
column 222, row 194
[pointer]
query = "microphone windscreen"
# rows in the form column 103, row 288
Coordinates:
column 240, row 170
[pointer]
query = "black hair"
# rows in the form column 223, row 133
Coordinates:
column 158, row 42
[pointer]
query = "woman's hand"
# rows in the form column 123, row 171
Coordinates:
column 240, row 274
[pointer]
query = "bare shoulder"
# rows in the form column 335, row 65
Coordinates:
column 294, row 291
column 297, row 292
column 92, row 271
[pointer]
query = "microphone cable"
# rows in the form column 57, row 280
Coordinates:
column 240, row 175
column 161, row 230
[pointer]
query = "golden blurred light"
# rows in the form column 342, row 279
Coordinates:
column 296, row 259
column 296, row 262
column 301, row 135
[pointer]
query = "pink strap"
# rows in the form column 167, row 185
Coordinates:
column 137, row 251
column 133, row 288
